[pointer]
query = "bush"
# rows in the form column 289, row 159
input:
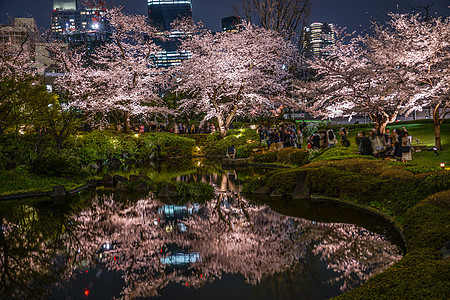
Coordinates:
column 265, row 157
column 293, row 156
column 426, row 225
column 102, row 145
column 215, row 145
column 336, row 153
column 53, row 164
column 172, row 145
column 246, row 150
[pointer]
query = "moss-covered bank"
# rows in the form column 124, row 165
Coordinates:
column 420, row 203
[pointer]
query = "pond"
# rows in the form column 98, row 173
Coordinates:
column 104, row 244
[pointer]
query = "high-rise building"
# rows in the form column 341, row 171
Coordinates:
column 79, row 24
column 318, row 40
column 230, row 23
column 161, row 13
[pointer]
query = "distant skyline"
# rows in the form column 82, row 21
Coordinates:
column 354, row 15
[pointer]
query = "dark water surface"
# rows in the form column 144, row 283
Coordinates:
column 105, row 245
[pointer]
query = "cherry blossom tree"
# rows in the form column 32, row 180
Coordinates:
column 356, row 80
column 232, row 74
column 420, row 47
column 401, row 68
column 121, row 76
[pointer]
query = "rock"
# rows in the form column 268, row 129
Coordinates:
column 121, row 186
column 301, row 190
column 263, row 190
column 168, row 191
column 108, row 180
column 118, row 178
column 58, row 190
column 277, row 193
column 142, row 187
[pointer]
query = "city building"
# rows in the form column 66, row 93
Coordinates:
column 161, row 13
column 23, row 33
column 318, row 39
column 79, row 25
column 230, row 24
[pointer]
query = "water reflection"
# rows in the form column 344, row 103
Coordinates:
column 142, row 246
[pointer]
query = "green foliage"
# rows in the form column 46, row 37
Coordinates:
column 21, row 181
column 251, row 185
column 265, row 157
column 173, row 145
column 337, row 153
column 284, row 181
column 236, row 137
column 104, row 145
column 427, row 224
column 313, row 154
column 415, row 169
column 56, row 164
column 246, row 150
column 293, row 156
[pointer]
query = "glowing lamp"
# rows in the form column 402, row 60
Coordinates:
column 442, row 165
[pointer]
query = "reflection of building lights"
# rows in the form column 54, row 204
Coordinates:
column 155, row 222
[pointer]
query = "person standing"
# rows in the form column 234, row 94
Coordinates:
column 406, row 147
column 299, row 139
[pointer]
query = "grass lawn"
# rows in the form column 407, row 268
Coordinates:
column 425, row 134
column 13, row 182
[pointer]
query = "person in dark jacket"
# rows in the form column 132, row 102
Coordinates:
column 365, row 144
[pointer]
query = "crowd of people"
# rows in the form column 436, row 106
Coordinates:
column 285, row 135
column 396, row 144
column 392, row 144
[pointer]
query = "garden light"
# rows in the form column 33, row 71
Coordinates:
column 442, row 165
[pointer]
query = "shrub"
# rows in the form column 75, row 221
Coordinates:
column 246, row 150
column 426, row 224
column 104, row 145
column 265, row 157
column 172, row 145
column 293, row 156
column 53, row 164
column 236, row 137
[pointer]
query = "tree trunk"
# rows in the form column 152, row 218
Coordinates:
column 127, row 123
column 437, row 135
column 222, row 127
column 437, row 127
column 381, row 120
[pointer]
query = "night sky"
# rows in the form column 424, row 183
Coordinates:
column 353, row 14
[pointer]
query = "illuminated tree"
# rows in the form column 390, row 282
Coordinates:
column 121, row 76
column 232, row 74
column 421, row 48
column 401, row 68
